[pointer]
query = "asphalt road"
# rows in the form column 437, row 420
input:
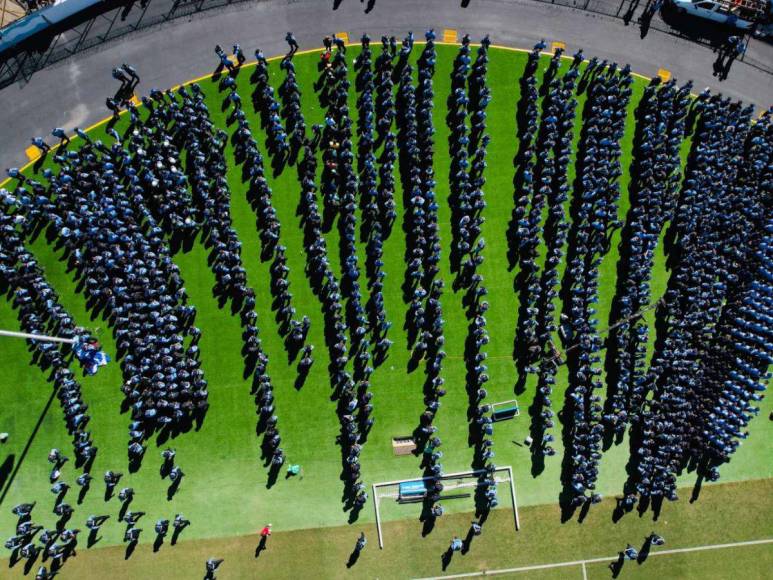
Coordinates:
column 72, row 93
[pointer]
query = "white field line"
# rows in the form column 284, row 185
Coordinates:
column 597, row 560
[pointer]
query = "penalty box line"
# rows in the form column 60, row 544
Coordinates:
column 599, row 560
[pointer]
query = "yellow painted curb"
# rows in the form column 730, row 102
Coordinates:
column 343, row 35
column 32, row 153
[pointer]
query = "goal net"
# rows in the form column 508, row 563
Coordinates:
column 406, row 498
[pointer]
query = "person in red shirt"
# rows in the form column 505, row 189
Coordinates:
column 264, row 534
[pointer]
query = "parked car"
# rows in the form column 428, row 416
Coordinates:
column 739, row 14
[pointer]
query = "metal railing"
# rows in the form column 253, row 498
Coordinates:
column 97, row 30
column 140, row 14
column 695, row 30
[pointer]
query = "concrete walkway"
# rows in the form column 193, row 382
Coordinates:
column 72, row 93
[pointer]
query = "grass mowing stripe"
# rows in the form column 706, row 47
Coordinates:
column 727, row 513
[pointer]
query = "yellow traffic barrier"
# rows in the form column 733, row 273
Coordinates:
column 343, row 36
column 664, row 74
column 556, row 45
column 450, row 35
column 33, row 153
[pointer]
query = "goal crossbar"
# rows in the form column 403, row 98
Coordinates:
column 453, row 486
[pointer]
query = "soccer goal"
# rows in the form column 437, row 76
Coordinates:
column 407, row 492
column 505, row 410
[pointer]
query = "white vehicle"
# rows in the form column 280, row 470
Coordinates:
column 740, row 14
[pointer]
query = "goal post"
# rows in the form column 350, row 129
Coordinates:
column 414, row 490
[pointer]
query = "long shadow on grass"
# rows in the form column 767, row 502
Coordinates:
column 26, row 449
column 621, row 352
column 5, row 469
column 526, row 116
column 570, row 281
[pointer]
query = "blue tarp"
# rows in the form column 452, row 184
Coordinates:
column 27, row 28
column 22, row 29
column 64, row 10
column 417, row 488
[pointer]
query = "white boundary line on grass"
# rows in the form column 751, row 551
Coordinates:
column 597, row 560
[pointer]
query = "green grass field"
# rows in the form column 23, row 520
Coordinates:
column 543, row 540
column 224, row 492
